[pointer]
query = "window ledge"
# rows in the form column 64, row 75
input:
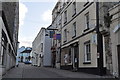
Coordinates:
column 74, row 36
column 65, row 22
column 86, row 4
column 73, row 14
column 86, row 62
column 86, row 29
column 65, row 41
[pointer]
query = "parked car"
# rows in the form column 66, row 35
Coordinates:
column 27, row 62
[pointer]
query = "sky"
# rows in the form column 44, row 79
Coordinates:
column 32, row 16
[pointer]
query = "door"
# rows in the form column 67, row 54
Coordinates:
column 76, row 57
column 118, row 48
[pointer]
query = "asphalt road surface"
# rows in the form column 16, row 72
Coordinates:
column 28, row 71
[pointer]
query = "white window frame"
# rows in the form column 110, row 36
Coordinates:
column 65, row 35
column 87, row 20
column 86, row 53
column 74, row 29
column 41, row 47
column 74, row 7
column 1, row 56
column 65, row 16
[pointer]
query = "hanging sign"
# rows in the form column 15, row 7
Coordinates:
column 58, row 36
column 52, row 33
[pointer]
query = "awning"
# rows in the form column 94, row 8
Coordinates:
column 70, row 43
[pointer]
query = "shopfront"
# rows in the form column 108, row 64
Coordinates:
column 118, row 48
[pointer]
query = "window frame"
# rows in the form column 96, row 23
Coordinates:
column 65, row 16
column 74, row 30
column 87, row 52
column 74, row 8
column 87, row 21
column 86, row 3
column 65, row 35
column 41, row 47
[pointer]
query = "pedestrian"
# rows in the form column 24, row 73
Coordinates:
column 65, row 58
column 17, row 65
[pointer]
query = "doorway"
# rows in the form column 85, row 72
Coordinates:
column 75, row 56
column 118, row 48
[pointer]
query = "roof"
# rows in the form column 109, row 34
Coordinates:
column 27, row 50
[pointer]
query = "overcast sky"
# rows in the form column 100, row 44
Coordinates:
column 32, row 16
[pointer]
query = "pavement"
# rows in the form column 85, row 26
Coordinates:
column 28, row 71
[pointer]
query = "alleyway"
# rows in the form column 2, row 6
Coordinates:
column 28, row 71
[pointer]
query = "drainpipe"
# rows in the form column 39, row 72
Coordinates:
column 99, row 42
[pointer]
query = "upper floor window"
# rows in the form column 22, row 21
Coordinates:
column 41, row 47
column 87, row 57
column 74, row 8
column 65, row 35
column 87, row 20
column 64, row 3
column 74, row 29
column 65, row 16
column 60, row 22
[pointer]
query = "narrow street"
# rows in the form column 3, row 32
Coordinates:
column 80, row 39
column 28, row 71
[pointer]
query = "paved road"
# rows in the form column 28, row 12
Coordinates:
column 28, row 71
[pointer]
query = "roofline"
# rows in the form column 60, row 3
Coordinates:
column 43, row 28
column 55, row 6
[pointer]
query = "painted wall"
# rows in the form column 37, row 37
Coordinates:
column 80, row 20
column 42, row 57
column 80, row 27
column 8, row 56
column 82, row 40
column 47, row 52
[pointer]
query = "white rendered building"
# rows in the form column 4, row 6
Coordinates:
column 41, row 53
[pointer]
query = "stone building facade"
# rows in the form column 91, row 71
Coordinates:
column 114, row 30
column 9, row 24
column 105, row 17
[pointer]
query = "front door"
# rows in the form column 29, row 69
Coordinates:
column 118, row 47
column 76, row 57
